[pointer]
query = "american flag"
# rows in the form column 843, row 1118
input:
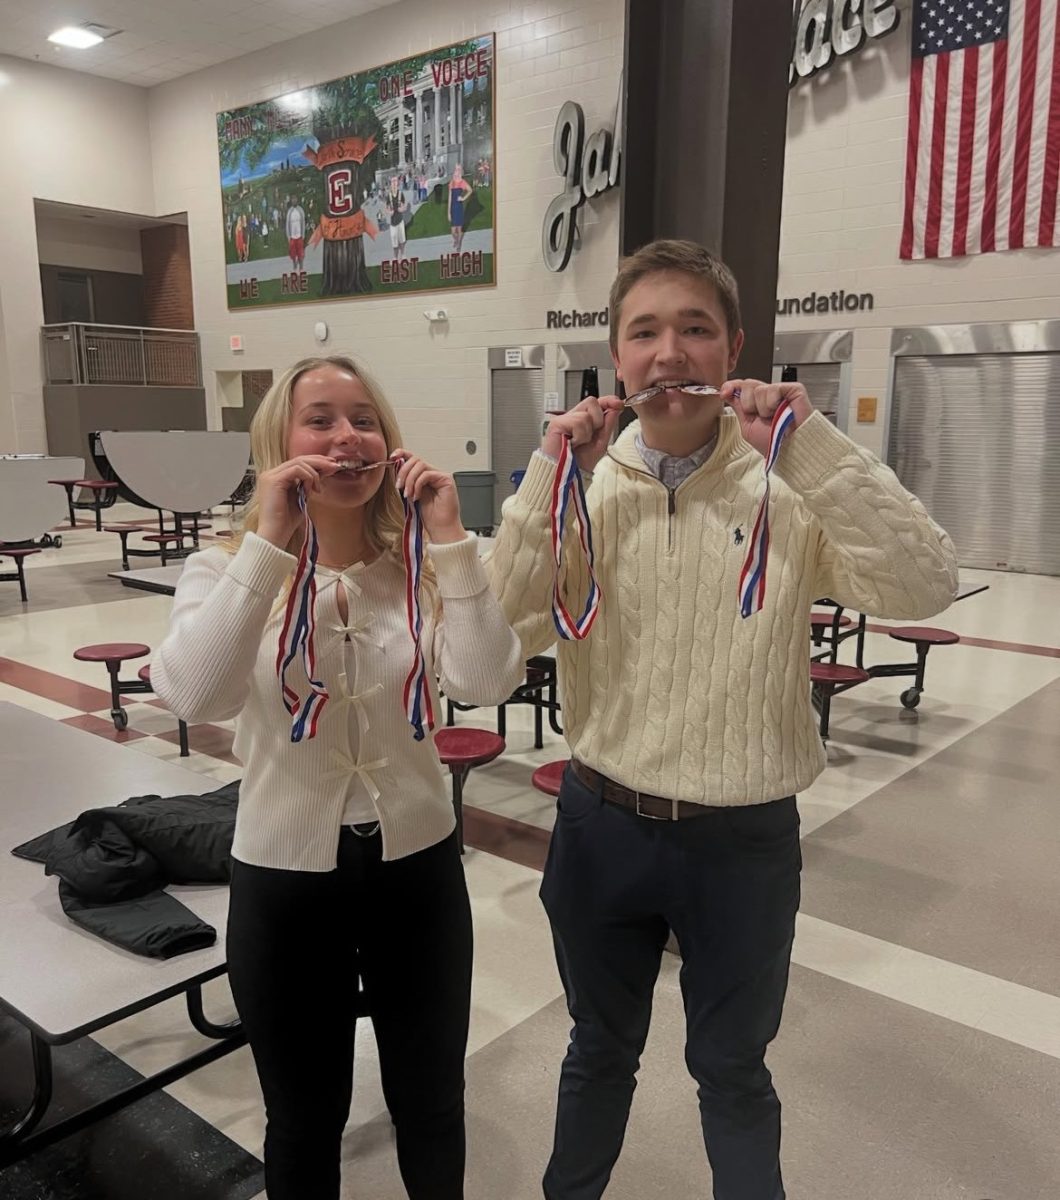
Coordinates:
column 983, row 145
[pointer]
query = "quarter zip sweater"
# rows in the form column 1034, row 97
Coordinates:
column 219, row 661
column 674, row 693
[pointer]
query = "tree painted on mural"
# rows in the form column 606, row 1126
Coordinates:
column 343, row 108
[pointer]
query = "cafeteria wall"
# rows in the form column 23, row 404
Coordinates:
column 72, row 138
column 83, row 140
column 547, row 52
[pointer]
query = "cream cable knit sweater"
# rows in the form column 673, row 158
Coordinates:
column 673, row 692
column 219, row 661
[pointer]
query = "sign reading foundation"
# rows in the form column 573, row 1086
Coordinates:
column 371, row 184
column 825, row 302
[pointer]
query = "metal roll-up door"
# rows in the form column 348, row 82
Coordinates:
column 977, row 438
column 517, row 412
column 822, row 383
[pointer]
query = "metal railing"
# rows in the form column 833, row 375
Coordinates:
column 121, row 355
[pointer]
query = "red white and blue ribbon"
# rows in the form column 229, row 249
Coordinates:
column 567, row 487
column 419, row 707
column 753, row 575
column 298, row 638
column 299, row 629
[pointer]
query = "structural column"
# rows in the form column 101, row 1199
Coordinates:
column 706, row 119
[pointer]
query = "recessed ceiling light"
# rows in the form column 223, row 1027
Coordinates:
column 78, row 39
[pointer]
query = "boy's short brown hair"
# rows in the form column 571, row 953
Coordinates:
column 668, row 254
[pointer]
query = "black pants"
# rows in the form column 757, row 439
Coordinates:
column 297, row 941
column 615, row 884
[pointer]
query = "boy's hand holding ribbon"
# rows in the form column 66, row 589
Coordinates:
column 588, row 427
column 755, row 404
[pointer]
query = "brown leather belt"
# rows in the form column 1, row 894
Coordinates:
column 655, row 808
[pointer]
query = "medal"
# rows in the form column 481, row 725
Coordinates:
column 676, row 385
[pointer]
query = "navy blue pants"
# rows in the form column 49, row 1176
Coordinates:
column 615, row 884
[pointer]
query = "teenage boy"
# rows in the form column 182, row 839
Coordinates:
column 690, row 727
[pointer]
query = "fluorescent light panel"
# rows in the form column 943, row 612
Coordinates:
column 77, row 39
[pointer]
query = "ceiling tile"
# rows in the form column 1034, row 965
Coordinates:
column 162, row 40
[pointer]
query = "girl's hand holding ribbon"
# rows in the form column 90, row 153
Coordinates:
column 755, row 403
column 279, row 515
column 588, row 426
column 436, row 494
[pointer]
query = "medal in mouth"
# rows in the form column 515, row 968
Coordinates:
column 670, row 385
column 353, row 467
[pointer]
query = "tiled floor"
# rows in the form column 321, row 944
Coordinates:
column 920, row 1053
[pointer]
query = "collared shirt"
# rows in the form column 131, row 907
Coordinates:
column 670, row 470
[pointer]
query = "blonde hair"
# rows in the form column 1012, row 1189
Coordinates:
column 667, row 254
column 384, row 517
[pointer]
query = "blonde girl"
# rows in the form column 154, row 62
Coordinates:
column 346, row 865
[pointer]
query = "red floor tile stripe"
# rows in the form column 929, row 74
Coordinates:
column 506, row 838
column 212, row 740
column 53, row 687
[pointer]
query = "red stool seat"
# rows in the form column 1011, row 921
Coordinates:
column 460, row 749
column 111, row 652
column 144, row 674
column 463, row 747
column 17, row 552
column 925, row 634
column 827, row 619
column 164, row 537
column 836, row 673
column 95, row 485
column 549, row 778
column 828, row 678
column 124, row 528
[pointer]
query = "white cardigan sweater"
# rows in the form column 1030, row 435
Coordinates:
column 219, row 661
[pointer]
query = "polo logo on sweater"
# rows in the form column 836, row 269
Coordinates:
column 737, row 537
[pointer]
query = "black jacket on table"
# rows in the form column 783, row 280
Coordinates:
column 113, row 864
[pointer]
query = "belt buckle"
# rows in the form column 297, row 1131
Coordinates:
column 651, row 816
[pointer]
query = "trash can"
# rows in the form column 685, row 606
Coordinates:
column 475, row 489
